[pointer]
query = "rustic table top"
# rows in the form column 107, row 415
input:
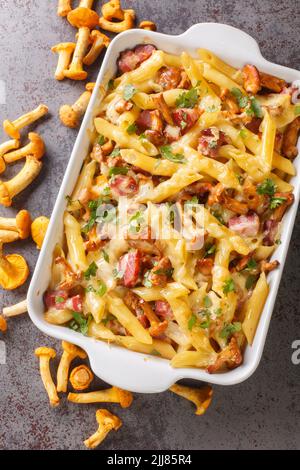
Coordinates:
column 261, row 413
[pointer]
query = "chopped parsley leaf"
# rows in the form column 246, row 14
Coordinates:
column 129, row 92
column 118, row 170
column 229, row 286
column 250, row 281
column 166, row 152
column 91, row 271
column 115, row 152
column 242, row 100
column 80, row 322
column 132, row 128
column 207, row 302
column 209, row 250
column 59, row 300
column 101, row 139
column 252, row 264
column 192, row 322
column 154, row 352
column 230, row 328
column 105, row 256
column 117, row 274
column 100, row 291
column 267, row 187
column 276, row 202
column 187, row 99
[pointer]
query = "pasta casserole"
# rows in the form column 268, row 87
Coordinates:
column 171, row 228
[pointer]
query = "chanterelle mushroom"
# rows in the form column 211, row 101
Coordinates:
column 45, row 354
column 64, row 7
column 113, row 27
column 64, row 51
column 36, row 148
column 38, row 230
column 147, row 25
column 81, row 377
column 110, row 395
column 99, row 41
column 12, row 128
column 3, row 324
column 14, row 270
column 20, row 224
column 70, row 352
column 9, row 189
column 112, row 10
column 15, row 310
column 7, row 147
column 84, row 19
column 201, row 397
column 107, row 421
column 70, row 115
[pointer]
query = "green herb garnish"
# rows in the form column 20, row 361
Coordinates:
column 105, row 256
column 80, row 322
column 207, row 302
column 297, row 110
column 117, row 274
column 252, row 264
column 154, row 352
column 210, row 250
column 136, row 221
column 91, row 271
column 230, row 328
column 267, row 187
column 100, row 291
column 242, row 100
column 250, row 281
column 101, row 139
column 132, row 128
column 229, row 286
column 192, row 322
column 128, row 92
column 166, row 152
column 59, row 300
column 115, row 152
column 187, row 99
column 276, row 202
column 118, row 170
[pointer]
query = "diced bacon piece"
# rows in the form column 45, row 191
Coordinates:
column 123, row 185
column 155, row 137
column 129, row 265
column 59, row 300
column 163, row 310
column 144, row 51
column 169, row 77
column 74, row 303
column 149, row 120
column 246, row 225
column 55, row 299
column 128, row 61
column 131, row 59
column 205, row 265
column 210, row 141
column 185, row 118
column 251, row 79
column 254, row 125
column 270, row 232
column 172, row 133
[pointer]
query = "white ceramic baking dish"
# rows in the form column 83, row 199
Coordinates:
column 115, row 365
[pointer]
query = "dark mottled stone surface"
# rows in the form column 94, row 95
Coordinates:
column 263, row 412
